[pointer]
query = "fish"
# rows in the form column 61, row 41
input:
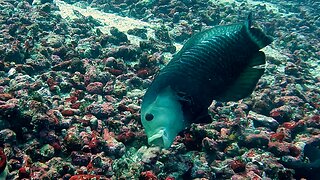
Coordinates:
column 223, row 63
column 309, row 170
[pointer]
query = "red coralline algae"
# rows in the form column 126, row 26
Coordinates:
column 79, row 94
column 282, row 113
column 6, row 107
column 5, row 96
column 251, row 153
column 148, row 175
column 143, row 73
column 115, row 72
column 107, row 136
column 95, row 88
column 123, row 107
column 279, row 148
column 294, row 151
column 72, row 99
column 315, row 118
column 190, row 141
column 53, row 116
column 126, row 136
column 282, row 134
column 256, row 140
column 289, row 125
column 24, row 172
column 94, row 142
column 51, row 82
column 238, row 166
column 3, row 161
column 67, row 112
column 277, row 137
column 170, row 178
column 56, row 146
column 101, row 110
column 76, row 105
column 86, row 177
column 295, row 126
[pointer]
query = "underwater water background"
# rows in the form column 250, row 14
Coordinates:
column 73, row 74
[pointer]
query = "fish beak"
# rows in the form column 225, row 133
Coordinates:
column 160, row 139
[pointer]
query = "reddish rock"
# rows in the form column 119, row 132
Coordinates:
column 101, row 110
column 260, row 120
column 3, row 161
column 294, row 151
column 86, row 177
column 170, row 178
column 143, row 73
column 116, row 72
column 5, row 96
column 238, row 166
column 75, row 105
column 148, row 175
column 95, row 88
column 24, row 172
column 256, row 140
column 277, row 136
column 282, row 113
column 80, row 159
column 67, row 112
column 279, row 149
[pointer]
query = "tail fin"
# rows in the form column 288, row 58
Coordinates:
column 256, row 35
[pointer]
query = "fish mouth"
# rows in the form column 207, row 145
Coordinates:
column 159, row 139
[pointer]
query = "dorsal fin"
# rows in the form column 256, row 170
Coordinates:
column 256, row 34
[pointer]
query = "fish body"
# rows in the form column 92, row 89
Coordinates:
column 309, row 170
column 216, row 64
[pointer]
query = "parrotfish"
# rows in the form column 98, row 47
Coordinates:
column 309, row 170
column 223, row 63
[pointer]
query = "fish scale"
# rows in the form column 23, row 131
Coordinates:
column 200, row 55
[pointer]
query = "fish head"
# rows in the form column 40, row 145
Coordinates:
column 163, row 119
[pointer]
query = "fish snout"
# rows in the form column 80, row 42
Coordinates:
column 160, row 139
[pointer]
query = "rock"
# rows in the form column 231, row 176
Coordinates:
column 95, row 88
column 38, row 2
column 118, row 37
column 80, row 159
column 7, row 136
column 104, row 110
column 282, row 114
column 255, row 141
column 138, row 32
column 54, row 41
column 279, row 148
column 263, row 121
column 238, row 166
column 47, row 151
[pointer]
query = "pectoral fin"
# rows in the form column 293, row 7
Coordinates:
column 247, row 80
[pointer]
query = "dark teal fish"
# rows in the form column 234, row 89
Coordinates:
column 309, row 170
column 217, row 64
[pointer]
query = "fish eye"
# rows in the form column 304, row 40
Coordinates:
column 149, row 117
